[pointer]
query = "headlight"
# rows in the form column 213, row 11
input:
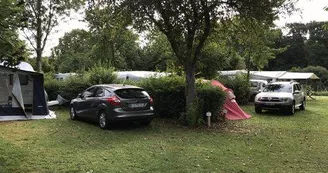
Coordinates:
column 258, row 99
column 284, row 99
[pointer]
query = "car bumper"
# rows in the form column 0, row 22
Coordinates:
column 120, row 114
column 273, row 105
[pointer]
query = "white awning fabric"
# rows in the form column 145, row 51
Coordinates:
column 299, row 76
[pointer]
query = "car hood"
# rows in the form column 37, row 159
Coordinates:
column 273, row 94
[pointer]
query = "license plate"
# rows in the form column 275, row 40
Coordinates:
column 137, row 105
column 270, row 104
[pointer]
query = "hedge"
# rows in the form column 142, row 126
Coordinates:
column 239, row 85
column 169, row 95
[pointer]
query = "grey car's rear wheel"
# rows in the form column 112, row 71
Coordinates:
column 72, row 113
column 303, row 105
column 103, row 122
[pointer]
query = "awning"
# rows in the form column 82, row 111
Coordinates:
column 298, row 76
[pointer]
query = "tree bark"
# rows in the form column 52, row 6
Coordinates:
column 190, row 85
column 39, row 37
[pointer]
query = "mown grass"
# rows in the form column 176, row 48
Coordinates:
column 265, row 143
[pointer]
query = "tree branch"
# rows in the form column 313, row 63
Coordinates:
column 48, row 29
column 206, row 33
column 28, row 39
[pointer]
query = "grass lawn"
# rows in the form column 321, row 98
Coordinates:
column 265, row 143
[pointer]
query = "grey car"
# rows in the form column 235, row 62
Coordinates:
column 281, row 96
column 113, row 102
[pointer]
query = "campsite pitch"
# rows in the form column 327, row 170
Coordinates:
column 264, row 143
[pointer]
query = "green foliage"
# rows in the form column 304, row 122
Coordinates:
column 12, row 49
column 213, row 58
column 321, row 72
column 72, row 54
column 168, row 94
column 101, row 75
column 194, row 116
column 74, row 85
column 239, row 85
column 52, row 86
column 41, row 17
column 48, row 64
column 320, row 93
column 210, row 99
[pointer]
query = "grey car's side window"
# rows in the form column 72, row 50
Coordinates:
column 99, row 92
column 108, row 93
column 89, row 92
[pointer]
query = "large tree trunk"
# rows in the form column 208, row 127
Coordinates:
column 39, row 38
column 190, row 85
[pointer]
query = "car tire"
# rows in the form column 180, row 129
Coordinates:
column 303, row 105
column 145, row 122
column 258, row 110
column 103, row 122
column 291, row 109
column 252, row 99
column 72, row 113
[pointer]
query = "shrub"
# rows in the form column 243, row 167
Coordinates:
column 320, row 93
column 168, row 93
column 74, row 85
column 239, row 85
column 210, row 99
column 52, row 86
column 101, row 75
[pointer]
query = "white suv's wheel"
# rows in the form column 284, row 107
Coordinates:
column 292, row 109
column 303, row 105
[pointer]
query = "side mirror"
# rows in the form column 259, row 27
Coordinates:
column 79, row 95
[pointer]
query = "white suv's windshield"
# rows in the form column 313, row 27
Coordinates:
column 278, row 88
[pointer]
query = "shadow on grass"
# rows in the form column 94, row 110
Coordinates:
column 281, row 113
column 115, row 126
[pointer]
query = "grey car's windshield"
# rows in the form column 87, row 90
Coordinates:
column 278, row 88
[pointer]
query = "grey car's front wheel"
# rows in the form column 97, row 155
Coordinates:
column 72, row 114
column 103, row 122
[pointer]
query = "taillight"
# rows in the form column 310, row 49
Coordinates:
column 151, row 100
column 115, row 101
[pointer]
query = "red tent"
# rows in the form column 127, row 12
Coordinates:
column 231, row 108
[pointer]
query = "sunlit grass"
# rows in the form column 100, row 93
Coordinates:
column 266, row 143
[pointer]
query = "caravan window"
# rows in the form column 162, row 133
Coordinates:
column 23, row 79
column 254, row 84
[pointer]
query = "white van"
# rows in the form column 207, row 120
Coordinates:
column 256, row 86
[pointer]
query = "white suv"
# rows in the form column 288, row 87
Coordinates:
column 280, row 96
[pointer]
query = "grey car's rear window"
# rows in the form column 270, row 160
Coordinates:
column 131, row 93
